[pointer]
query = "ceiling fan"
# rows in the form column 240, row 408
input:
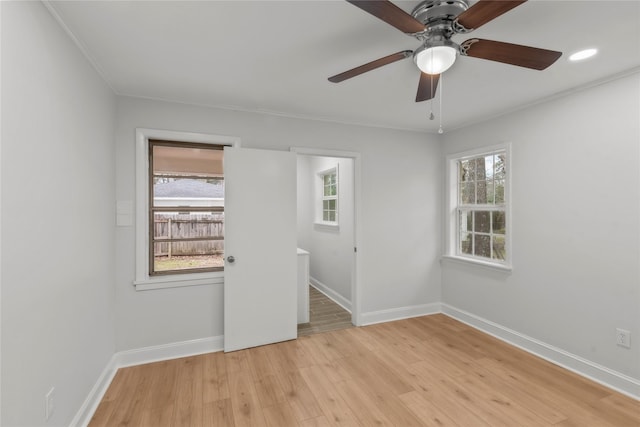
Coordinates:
column 433, row 23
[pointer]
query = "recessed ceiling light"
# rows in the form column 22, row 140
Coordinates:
column 583, row 54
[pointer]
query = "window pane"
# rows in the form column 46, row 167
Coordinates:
column 466, row 221
column 174, row 191
column 467, row 170
column 488, row 167
column 500, row 166
column 188, row 225
column 480, row 168
column 499, row 248
column 185, row 161
column 482, row 222
column 499, row 191
column 499, row 223
column 467, row 193
column 166, row 263
column 490, row 192
column 465, row 243
column 329, row 183
column 188, row 254
column 332, row 216
column 482, row 192
column 482, row 246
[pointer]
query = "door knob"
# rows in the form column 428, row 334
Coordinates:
column 231, row 259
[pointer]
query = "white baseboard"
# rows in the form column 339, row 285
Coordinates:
column 399, row 313
column 331, row 294
column 158, row 353
column 141, row 356
column 586, row 368
column 88, row 408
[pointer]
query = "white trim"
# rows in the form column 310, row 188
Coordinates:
column 179, row 280
column 142, row 279
column 391, row 314
column 451, row 205
column 90, row 404
column 49, row 4
column 331, row 294
column 327, row 226
column 356, row 291
column 140, row 356
column 601, row 374
column 157, row 353
column 477, row 262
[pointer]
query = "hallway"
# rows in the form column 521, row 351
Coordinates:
column 324, row 315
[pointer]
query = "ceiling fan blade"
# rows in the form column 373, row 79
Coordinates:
column 509, row 53
column 370, row 66
column 484, row 11
column 391, row 14
column 427, row 86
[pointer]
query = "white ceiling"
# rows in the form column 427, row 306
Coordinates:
column 276, row 56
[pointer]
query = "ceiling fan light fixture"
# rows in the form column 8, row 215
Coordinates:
column 436, row 59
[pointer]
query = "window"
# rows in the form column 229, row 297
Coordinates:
column 479, row 206
column 179, row 208
column 330, row 195
column 186, row 204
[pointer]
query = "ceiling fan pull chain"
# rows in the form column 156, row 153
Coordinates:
column 440, row 130
column 431, row 116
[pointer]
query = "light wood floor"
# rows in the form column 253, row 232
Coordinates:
column 324, row 315
column 426, row 371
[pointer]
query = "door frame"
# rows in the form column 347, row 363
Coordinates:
column 356, row 296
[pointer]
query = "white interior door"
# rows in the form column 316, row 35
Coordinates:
column 260, row 294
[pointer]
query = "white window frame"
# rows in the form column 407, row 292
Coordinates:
column 451, row 215
column 144, row 281
column 321, row 198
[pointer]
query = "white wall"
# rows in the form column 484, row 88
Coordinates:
column 58, row 119
column 305, row 194
column 399, row 261
column 331, row 259
column 576, row 217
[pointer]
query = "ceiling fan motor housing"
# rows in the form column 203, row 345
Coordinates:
column 438, row 17
column 439, row 13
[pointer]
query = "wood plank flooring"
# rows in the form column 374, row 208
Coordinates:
column 324, row 315
column 426, row 371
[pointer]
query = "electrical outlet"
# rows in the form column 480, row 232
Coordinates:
column 49, row 403
column 623, row 338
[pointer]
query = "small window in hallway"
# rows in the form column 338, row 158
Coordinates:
column 330, row 195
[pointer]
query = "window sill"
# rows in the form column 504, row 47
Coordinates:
column 328, row 226
column 483, row 264
column 179, row 281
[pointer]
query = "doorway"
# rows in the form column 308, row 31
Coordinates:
column 327, row 225
column 324, row 315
